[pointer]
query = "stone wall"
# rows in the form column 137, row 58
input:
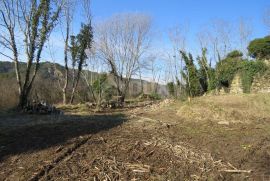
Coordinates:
column 236, row 85
column 261, row 83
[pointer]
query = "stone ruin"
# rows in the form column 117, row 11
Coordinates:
column 236, row 86
column 261, row 83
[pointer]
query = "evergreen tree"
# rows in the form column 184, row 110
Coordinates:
column 190, row 75
column 206, row 73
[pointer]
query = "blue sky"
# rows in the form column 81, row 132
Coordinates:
column 172, row 11
column 169, row 13
column 196, row 14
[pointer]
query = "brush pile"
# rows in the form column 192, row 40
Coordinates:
column 40, row 107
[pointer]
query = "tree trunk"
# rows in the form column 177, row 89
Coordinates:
column 66, row 59
column 64, row 90
column 141, row 81
column 72, row 95
column 64, row 96
column 75, row 86
column 22, row 100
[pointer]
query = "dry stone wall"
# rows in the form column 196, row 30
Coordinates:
column 236, row 85
column 261, row 83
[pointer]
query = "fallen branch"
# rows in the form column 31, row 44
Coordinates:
column 237, row 171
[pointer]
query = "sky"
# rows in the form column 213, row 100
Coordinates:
column 195, row 14
column 168, row 13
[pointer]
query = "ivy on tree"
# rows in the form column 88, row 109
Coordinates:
column 79, row 45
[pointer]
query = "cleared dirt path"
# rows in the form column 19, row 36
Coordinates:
column 150, row 143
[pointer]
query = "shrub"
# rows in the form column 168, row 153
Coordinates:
column 171, row 89
column 155, row 96
column 226, row 70
column 235, row 54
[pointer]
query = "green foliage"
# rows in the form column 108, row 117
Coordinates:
column 84, row 38
column 190, row 75
column 74, row 48
column 248, row 70
column 226, row 70
column 171, row 89
column 100, row 83
column 102, row 88
column 154, row 96
column 206, row 73
column 212, row 80
column 108, row 93
column 79, row 44
column 235, row 54
column 260, row 48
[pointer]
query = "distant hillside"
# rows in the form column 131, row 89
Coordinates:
column 47, row 87
column 6, row 67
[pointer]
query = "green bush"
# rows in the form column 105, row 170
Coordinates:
column 226, row 70
column 235, row 54
column 170, row 86
column 155, row 96
column 102, row 88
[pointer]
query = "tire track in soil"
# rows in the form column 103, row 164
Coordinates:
column 47, row 168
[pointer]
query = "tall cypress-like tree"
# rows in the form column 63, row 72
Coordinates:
column 206, row 73
column 190, row 75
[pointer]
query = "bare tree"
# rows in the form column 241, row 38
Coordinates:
column 90, row 76
column 34, row 20
column 266, row 18
column 222, row 38
column 122, row 41
column 203, row 38
column 217, row 38
column 177, row 37
column 67, row 20
column 245, row 31
column 155, row 71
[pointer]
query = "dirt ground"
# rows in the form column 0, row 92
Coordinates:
column 210, row 138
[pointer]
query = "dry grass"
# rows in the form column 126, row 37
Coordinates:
column 8, row 94
column 227, row 109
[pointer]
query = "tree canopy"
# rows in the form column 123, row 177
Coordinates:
column 260, row 48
